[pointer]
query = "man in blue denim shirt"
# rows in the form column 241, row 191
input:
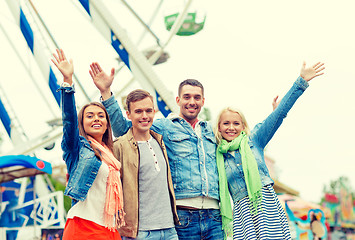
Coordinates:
column 191, row 148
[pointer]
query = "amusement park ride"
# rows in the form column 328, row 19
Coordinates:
column 29, row 204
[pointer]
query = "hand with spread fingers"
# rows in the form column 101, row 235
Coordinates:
column 311, row 72
column 64, row 66
column 101, row 80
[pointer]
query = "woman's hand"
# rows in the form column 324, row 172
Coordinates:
column 309, row 73
column 65, row 67
column 275, row 103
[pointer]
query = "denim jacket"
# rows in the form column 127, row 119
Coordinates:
column 192, row 159
column 258, row 139
column 82, row 164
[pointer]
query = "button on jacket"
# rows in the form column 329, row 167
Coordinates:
column 258, row 139
column 125, row 149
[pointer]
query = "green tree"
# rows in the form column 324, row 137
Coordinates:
column 335, row 186
column 58, row 186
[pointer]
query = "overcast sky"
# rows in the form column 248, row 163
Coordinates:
column 248, row 52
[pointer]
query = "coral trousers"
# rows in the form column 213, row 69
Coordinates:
column 80, row 229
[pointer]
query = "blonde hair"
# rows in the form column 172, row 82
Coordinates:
column 234, row 110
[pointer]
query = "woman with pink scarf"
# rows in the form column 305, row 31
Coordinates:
column 94, row 183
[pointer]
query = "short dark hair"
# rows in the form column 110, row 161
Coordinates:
column 192, row 82
column 137, row 95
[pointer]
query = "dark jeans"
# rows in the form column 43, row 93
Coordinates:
column 200, row 224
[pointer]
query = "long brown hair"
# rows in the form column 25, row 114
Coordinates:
column 107, row 137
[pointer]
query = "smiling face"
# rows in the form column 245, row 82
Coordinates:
column 230, row 125
column 94, row 122
column 141, row 114
column 190, row 101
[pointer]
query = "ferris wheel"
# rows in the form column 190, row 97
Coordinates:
column 31, row 38
column 40, row 39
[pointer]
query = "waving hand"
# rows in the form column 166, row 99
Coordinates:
column 101, row 80
column 65, row 67
column 311, row 72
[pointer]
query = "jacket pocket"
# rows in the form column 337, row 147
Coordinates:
column 180, row 145
column 86, row 151
column 235, row 176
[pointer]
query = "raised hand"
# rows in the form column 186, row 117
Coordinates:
column 309, row 73
column 101, row 80
column 65, row 67
column 275, row 103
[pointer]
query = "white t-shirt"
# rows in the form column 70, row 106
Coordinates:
column 92, row 208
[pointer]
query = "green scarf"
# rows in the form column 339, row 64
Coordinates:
column 224, row 195
column 250, row 170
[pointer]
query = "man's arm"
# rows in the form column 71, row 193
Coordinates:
column 120, row 125
column 103, row 82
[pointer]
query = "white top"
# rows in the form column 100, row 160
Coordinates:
column 198, row 202
column 92, row 208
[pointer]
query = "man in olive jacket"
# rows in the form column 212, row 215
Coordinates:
column 148, row 193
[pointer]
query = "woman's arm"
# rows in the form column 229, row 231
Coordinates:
column 269, row 126
column 69, row 115
column 70, row 120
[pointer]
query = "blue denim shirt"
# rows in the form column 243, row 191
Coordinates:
column 258, row 139
column 192, row 159
column 82, row 164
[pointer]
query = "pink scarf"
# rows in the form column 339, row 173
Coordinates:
column 114, row 195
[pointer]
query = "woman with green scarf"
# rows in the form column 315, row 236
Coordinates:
column 243, row 174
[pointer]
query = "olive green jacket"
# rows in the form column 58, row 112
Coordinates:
column 125, row 149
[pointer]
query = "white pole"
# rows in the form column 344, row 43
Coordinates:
column 139, row 60
column 57, row 46
column 38, row 88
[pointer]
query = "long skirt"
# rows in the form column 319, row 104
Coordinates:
column 270, row 221
column 80, row 229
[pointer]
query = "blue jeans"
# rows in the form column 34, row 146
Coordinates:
column 160, row 234
column 200, row 224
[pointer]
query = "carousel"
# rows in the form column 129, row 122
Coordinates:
column 28, row 206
